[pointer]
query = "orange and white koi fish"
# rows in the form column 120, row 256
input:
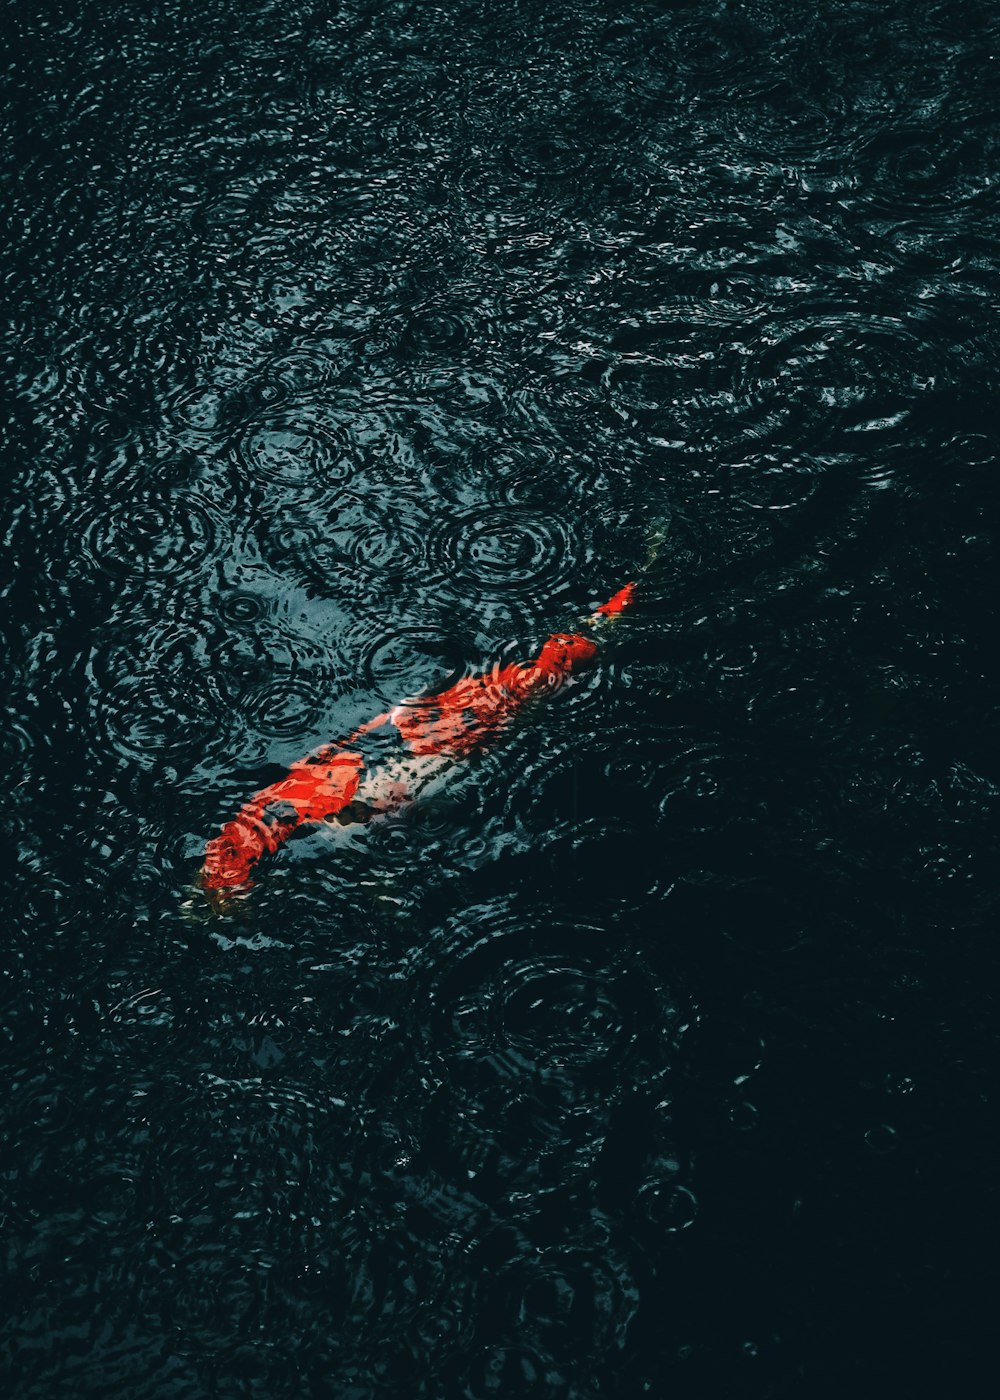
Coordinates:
column 337, row 782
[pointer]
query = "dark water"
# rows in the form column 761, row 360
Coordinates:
column 352, row 347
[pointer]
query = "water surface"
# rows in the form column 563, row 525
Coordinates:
column 353, row 347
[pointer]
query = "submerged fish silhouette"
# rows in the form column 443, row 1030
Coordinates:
column 339, row 783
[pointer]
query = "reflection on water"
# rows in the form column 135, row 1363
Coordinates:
column 356, row 347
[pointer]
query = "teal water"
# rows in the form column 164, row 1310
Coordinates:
column 350, row 349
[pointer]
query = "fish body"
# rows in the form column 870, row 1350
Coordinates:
column 382, row 766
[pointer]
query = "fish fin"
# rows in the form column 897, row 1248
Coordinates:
column 659, row 533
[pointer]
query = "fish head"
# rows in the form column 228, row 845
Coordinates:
column 229, row 859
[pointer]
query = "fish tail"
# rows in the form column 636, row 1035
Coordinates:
column 625, row 597
column 616, row 604
column 655, row 540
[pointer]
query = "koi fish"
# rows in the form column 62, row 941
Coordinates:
column 428, row 735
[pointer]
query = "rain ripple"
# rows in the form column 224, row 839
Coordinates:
column 281, row 685
column 157, row 702
column 408, row 660
column 800, row 383
column 520, row 993
column 366, row 539
column 152, row 535
column 298, row 450
column 554, row 1298
column 504, row 551
column 924, row 173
